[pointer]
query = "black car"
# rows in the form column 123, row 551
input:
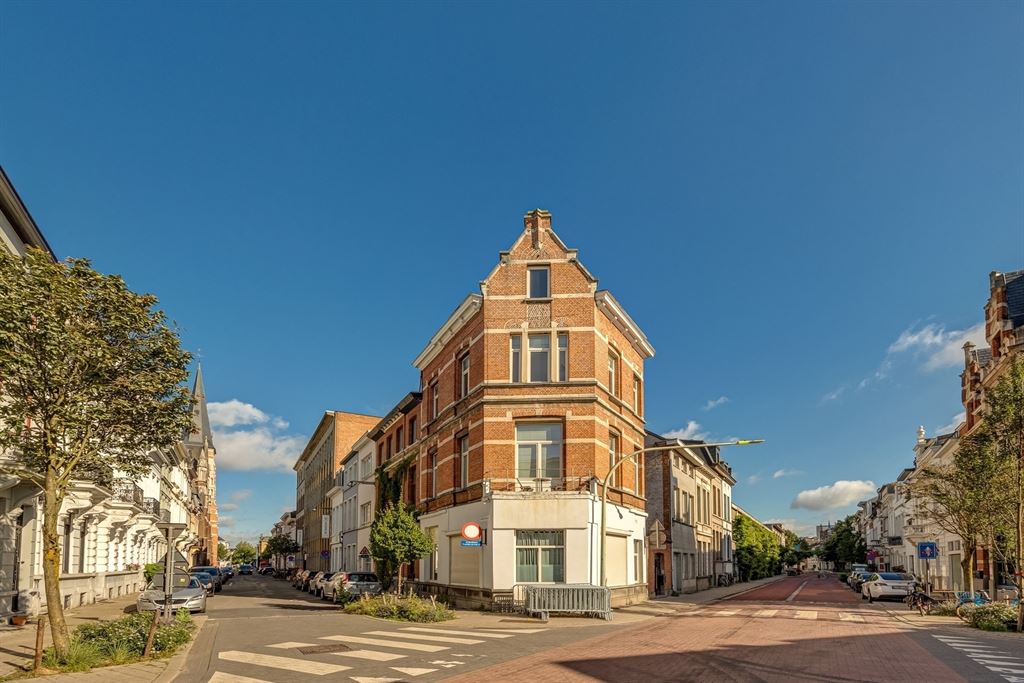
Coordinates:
column 245, row 569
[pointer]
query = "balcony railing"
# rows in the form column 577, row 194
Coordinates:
column 515, row 482
column 151, row 506
column 127, row 491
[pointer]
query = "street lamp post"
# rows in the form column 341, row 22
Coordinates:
column 604, row 484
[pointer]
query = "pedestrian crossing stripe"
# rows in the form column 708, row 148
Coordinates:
column 370, row 679
column 305, row 666
column 370, row 654
column 418, row 636
column 513, row 631
column 805, row 614
column 724, row 613
column 449, row 632
column 846, row 616
column 221, row 677
column 764, row 613
column 412, row 671
column 1012, row 670
column 359, row 640
column 290, row 645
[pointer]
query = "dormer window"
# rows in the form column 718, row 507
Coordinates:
column 539, row 282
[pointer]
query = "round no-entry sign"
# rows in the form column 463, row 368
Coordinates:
column 471, row 531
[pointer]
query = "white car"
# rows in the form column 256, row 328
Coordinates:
column 317, row 585
column 188, row 593
column 886, row 585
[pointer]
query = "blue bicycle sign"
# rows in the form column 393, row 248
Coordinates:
column 927, row 551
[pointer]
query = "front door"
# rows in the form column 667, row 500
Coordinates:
column 659, row 574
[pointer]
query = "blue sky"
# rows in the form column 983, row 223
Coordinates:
column 799, row 203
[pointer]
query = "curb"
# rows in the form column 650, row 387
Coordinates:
column 176, row 663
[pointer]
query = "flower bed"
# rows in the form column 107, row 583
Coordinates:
column 120, row 641
column 408, row 608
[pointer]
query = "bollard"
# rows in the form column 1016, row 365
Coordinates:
column 152, row 633
column 37, row 662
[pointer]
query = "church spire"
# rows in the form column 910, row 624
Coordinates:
column 200, row 430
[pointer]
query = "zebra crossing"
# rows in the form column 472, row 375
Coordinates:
column 407, row 652
column 805, row 615
column 1008, row 666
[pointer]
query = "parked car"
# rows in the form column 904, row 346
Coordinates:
column 267, row 571
column 304, row 579
column 298, row 577
column 321, row 580
column 206, row 580
column 886, row 585
column 228, row 571
column 348, row 585
column 855, row 579
column 245, row 569
column 311, row 581
column 218, row 575
column 188, row 593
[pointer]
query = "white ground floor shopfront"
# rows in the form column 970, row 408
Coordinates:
column 551, row 537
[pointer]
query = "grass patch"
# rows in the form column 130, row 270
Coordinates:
column 408, row 608
column 121, row 641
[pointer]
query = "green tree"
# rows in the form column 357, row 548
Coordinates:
column 222, row 550
column 795, row 550
column 93, row 379
column 1003, row 422
column 967, row 497
column 243, row 553
column 757, row 550
column 396, row 539
column 281, row 545
column 845, row 545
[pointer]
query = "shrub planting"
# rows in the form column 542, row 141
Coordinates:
column 410, row 608
column 992, row 617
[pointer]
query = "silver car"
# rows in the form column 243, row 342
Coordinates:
column 349, row 585
column 187, row 593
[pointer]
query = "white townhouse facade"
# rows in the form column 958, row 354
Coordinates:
column 108, row 532
column 357, row 507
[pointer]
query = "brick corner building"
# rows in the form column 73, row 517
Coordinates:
column 528, row 392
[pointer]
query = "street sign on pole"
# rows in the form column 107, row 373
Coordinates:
column 471, row 544
column 928, row 550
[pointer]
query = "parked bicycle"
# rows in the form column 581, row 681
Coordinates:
column 965, row 602
column 725, row 579
column 921, row 601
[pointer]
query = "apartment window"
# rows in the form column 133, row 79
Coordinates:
column 640, row 475
column 639, row 563
column 398, row 440
column 364, row 514
column 540, row 352
column 613, row 366
column 563, row 356
column 516, row 342
column 432, row 460
column 636, row 395
column 538, row 450
column 412, row 430
column 677, row 503
column 434, row 401
column 613, row 457
column 390, row 445
column 366, row 470
column 539, row 282
column 463, row 462
column 464, row 377
column 540, row 557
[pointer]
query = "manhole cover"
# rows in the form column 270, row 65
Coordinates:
column 323, row 649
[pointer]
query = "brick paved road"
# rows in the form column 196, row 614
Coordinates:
column 805, row 588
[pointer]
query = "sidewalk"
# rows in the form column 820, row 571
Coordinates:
column 17, row 645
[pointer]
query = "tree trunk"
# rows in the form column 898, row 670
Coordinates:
column 967, row 567
column 51, row 564
column 993, row 578
column 1018, row 552
column 399, row 591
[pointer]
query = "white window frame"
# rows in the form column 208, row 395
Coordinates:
column 613, row 457
column 539, row 469
column 464, row 376
column 515, row 358
column 364, row 514
column 613, row 373
column 464, row 461
column 435, row 401
column 636, row 394
column 539, row 555
column 547, row 357
column 562, row 353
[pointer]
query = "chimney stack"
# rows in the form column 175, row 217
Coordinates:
column 535, row 221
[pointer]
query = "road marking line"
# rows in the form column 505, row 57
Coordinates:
column 455, row 633
column 765, row 613
column 416, row 636
column 411, row 671
column 804, row 614
column 373, row 679
column 304, row 666
column 446, row 663
column 512, row 630
column 796, row 592
column 221, row 677
column 422, row 647
column 289, row 644
column 846, row 616
column 370, row 654
column 724, row 613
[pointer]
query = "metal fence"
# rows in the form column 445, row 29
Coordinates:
column 583, row 599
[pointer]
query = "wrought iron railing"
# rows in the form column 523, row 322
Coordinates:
column 522, row 483
column 127, row 491
column 151, row 506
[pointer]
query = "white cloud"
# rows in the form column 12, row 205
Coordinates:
column 796, row 526
column 226, row 522
column 840, row 494
column 692, row 430
column 833, row 395
column 257, row 449
column 785, row 473
column 953, row 424
column 753, row 479
column 227, row 506
column 714, row 403
column 235, row 412
column 942, row 348
column 240, row 495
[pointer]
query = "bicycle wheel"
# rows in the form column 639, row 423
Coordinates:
column 964, row 609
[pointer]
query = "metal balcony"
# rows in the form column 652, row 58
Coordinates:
column 127, row 491
column 151, row 506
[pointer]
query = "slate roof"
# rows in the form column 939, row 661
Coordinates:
column 982, row 356
column 200, row 417
column 1015, row 296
